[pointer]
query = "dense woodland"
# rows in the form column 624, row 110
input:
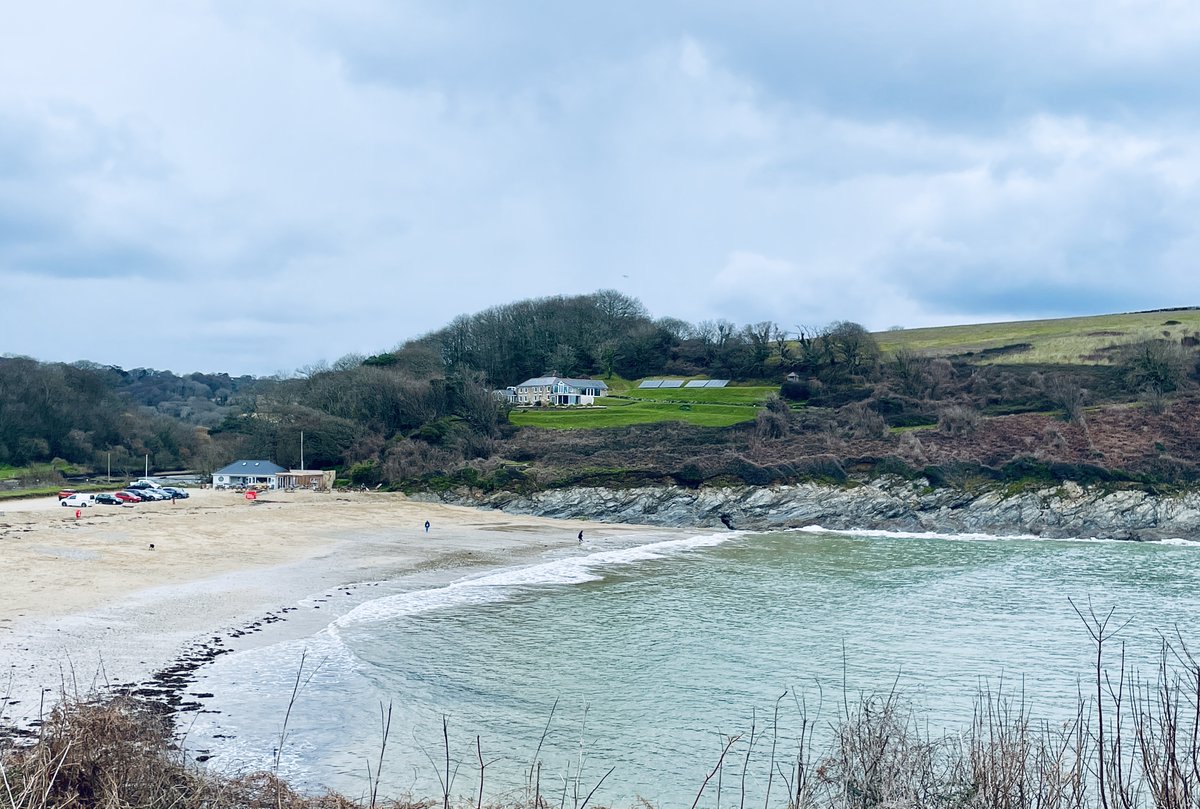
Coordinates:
column 425, row 414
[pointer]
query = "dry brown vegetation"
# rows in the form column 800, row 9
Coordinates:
column 119, row 753
column 1119, row 442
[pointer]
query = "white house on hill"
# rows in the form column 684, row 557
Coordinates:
column 556, row 390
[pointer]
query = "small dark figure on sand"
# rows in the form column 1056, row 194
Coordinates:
column 580, row 537
column 427, row 526
column 151, row 546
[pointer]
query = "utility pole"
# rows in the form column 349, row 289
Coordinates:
column 147, row 465
column 302, row 450
column 109, row 475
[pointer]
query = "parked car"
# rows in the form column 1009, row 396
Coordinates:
column 108, row 499
column 78, row 500
column 139, row 485
column 172, row 491
column 127, row 497
column 65, row 493
column 155, row 494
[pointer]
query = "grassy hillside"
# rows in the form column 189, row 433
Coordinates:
column 1065, row 341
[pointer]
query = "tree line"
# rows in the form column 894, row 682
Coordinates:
column 428, row 406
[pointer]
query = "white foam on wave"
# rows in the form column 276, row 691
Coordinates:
column 817, row 529
column 1181, row 542
column 502, row 584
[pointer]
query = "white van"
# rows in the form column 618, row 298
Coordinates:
column 78, row 500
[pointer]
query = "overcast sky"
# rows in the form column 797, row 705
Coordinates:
column 252, row 187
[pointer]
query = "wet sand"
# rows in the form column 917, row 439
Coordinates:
column 86, row 602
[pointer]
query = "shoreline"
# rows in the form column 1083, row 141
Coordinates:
column 889, row 503
column 89, row 605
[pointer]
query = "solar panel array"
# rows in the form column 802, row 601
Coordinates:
column 679, row 383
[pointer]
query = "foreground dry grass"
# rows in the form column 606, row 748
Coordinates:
column 119, row 753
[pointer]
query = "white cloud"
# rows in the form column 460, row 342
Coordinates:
column 370, row 170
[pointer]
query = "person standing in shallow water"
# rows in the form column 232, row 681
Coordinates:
column 427, row 526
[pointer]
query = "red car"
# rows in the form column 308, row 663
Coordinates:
column 127, row 497
column 65, row 493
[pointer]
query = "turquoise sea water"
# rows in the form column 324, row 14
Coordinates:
column 642, row 658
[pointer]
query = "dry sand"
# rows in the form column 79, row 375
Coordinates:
column 86, row 602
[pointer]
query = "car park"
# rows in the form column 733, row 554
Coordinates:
column 108, row 499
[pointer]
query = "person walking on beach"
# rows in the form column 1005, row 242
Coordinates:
column 427, row 526
column 580, row 537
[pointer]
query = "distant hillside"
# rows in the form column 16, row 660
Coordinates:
column 1109, row 397
column 1063, row 341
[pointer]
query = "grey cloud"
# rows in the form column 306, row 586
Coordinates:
column 373, row 172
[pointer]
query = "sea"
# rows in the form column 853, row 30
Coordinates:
column 614, row 673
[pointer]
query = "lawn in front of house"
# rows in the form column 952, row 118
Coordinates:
column 623, row 412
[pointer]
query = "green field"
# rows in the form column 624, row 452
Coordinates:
column 706, row 407
column 1073, row 340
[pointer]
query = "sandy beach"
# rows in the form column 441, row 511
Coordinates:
column 87, row 602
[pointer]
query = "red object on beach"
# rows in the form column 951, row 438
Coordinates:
column 77, row 514
column 252, row 495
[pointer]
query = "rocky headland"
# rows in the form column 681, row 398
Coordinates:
column 893, row 504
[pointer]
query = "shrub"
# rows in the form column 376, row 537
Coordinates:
column 689, row 475
column 795, row 391
column 365, row 473
column 862, row 422
column 1156, row 365
column 958, row 420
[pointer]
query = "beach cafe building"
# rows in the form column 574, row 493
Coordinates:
column 243, row 474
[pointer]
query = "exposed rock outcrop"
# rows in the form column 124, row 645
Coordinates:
column 1068, row 510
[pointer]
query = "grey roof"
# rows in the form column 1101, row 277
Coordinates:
column 552, row 380
column 251, row 468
